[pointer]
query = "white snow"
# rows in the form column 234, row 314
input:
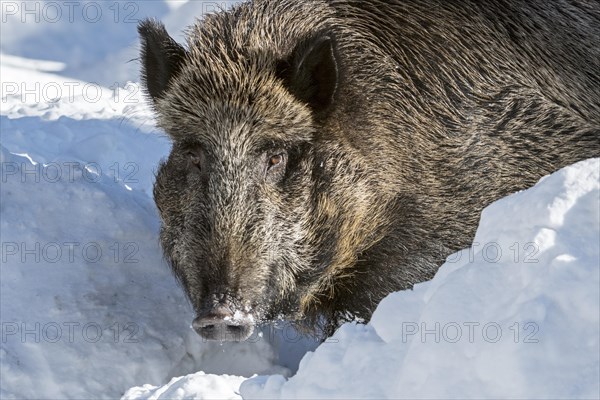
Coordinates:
column 89, row 309
column 197, row 386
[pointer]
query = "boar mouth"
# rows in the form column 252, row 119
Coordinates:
column 224, row 323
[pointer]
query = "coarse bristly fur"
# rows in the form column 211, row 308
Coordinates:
column 327, row 153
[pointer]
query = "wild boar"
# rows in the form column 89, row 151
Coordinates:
column 327, row 153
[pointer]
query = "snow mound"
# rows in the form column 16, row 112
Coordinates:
column 514, row 316
column 210, row 387
column 81, row 280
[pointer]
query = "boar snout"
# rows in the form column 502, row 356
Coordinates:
column 224, row 324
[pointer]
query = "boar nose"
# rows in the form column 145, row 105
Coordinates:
column 220, row 324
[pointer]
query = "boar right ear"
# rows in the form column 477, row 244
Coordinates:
column 161, row 57
column 311, row 73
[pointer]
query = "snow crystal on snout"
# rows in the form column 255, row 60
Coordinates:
column 240, row 318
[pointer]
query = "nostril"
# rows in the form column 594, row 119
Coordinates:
column 235, row 329
column 205, row 323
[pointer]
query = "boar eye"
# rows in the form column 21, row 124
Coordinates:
column 195, row 158
column 275, row 161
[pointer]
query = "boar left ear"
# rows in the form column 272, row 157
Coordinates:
column 161, row 57
column 311, row 73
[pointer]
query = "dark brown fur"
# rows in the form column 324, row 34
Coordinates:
column 399, row 122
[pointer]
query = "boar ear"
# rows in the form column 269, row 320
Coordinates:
column 161, row 57
column 311, row 73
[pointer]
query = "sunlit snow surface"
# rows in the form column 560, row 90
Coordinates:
column 89, row 309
